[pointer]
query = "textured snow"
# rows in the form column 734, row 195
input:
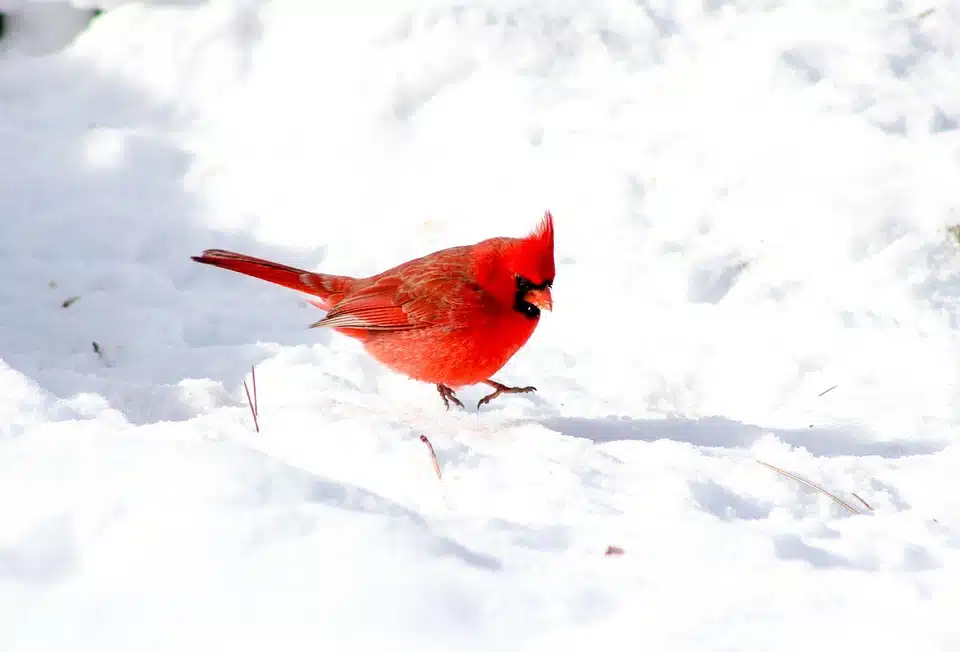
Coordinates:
column 752, row 202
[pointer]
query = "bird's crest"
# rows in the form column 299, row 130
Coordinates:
column 544, row 231
column 536, row 251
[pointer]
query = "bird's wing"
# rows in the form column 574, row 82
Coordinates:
column 414, row 297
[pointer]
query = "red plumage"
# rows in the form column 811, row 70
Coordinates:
column 451, row 318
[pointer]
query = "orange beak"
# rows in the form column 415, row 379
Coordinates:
column 540, row 298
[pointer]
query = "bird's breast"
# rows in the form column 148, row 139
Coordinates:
column 454, row 356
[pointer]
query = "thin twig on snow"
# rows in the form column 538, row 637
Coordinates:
column 812, row 485
column 254, row 405
column 865, row 503
column 433, row 455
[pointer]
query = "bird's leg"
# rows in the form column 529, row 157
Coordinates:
column 499, row 388
column 447, row 395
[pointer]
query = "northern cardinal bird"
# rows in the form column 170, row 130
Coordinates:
column 451, row 318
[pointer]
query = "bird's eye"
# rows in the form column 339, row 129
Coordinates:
column 525, row 284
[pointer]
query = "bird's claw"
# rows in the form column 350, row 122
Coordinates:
column 447, row 395
column 499, row 389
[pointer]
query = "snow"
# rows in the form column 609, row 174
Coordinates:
column 752, row 201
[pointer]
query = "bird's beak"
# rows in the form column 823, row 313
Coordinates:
column 540, row 298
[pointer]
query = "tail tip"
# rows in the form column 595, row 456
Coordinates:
column 207, row 254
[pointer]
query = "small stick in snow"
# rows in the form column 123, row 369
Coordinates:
column 433, row 455
column 253, row 374
column 101, row 353
column 812, row 485
column 865, row 503
column 827, row 391
column 613, row 550
column 254, row 406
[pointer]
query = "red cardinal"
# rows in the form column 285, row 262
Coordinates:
column 452, row 318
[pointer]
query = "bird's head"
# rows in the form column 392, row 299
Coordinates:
column 526, row 273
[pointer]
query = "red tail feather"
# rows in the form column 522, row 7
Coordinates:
column 329, row 288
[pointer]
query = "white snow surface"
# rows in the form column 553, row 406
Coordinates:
column 752, row 201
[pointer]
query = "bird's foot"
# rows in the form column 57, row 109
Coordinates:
column 500, row 388
column 447, row 395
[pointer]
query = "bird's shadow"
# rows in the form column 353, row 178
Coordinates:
column 720, row 432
